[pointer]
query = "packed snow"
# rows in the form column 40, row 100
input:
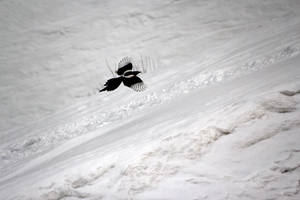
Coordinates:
column 220, row 118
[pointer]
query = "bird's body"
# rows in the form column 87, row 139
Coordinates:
column 127, row 67
column 127, row 76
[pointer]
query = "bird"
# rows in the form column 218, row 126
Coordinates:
column 127, row 75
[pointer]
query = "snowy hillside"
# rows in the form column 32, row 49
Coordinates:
column 220, row 118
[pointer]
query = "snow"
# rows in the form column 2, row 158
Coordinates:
column 220, row 118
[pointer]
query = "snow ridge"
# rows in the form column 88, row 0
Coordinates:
column 171, row 155
column 31, row 146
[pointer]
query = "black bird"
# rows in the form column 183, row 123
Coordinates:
column 112, row 84
column 127, row 76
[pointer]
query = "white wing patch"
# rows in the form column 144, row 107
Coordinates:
column 138, row 87
column 124, row 61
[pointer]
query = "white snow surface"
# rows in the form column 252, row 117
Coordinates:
column 220, row 118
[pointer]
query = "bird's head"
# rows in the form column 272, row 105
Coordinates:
column 136, row 72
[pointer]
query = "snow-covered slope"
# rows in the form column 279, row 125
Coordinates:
column 220, row 118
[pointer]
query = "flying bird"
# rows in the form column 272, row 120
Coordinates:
column 127, row 76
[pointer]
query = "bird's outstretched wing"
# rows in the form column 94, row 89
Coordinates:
column 134, row 83
column 112, row 84
column 124, row 65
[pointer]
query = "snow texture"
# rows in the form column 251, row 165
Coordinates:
column 220, row 118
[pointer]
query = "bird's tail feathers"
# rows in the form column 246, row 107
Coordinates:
column 102, row 90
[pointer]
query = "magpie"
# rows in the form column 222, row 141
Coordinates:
column 127, row 76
